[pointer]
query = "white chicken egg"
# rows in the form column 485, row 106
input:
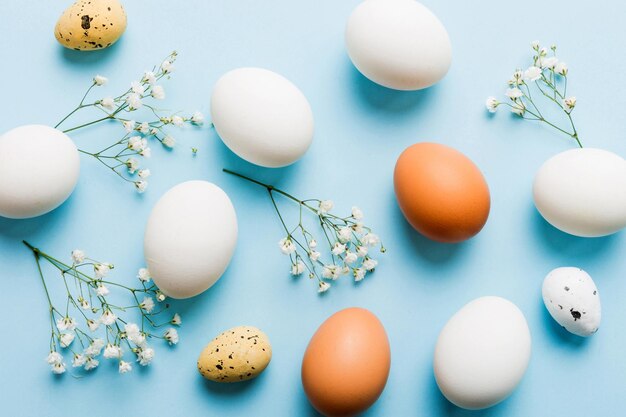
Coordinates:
column 39, row 168
column 482, row 353
column 399, row 44
column 583, row 192
column 190, row 238
column 262, row 117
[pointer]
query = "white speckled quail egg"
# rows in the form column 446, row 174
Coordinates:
column 39, row 168
column 262, row 117
column 572, row 298
column 190, row 238
column 399, row 44
column 88, row 25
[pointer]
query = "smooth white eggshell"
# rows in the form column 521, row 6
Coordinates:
column 482, row 353
column 39, row 168
column 399, row 44
column 572, row 298
column 262, row 117
column 583, row 192
column 190, row 238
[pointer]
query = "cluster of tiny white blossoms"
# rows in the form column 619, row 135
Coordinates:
column 347, row 240
column 123, row 156
column 90, row 327
column 547, row 77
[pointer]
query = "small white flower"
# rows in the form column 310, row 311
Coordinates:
column 108, row 318
column 112, row 352
column 569, row 103
column 358, row 227
column 518, row 109
column 369, row 264
column 125, row 367
column 78, row 256
column 169, row 141
column 543, row 51
column 132, row 165
column 535, row 45
column 326, row 206
column 141, row 186
column 144, row 128
column 134, row 101
column 338, row 249
column 361, row 251
column 79, row 360
column 147, row 304
column 177, row 121
column 297, row 269
column 331, row 271
column 144, row 275
column 107, row 103
column 66, row 339
column 345, row 234
column 146, row 153
column 549, row 62
column 286, row 246
column 197, row 118
column 171, row 335
column 102, row 290
column 134, row 334
column 314, row 255
column 99, row 80
column 357, row 214
column 91, row 363
column 66, row 323
column 176, row 320
column 93, row 325
column 84, row 304
column 144, row 173
column 167, row 66
column 561, row 68
column 145, row 356
column 54, row 357
column 370, row 239
column 350, row 258
column 158, row 92
column 492, row 104
column 313, row 244
column 359, row 274
column 58, row 368
column 160, row 296
column 101, row 270
column 129, row 125
column 137, row 143
column 149, row 77
column 323, row 287
column 514, row 93
column 95, row 347
column 532, row 73
column 137, row 87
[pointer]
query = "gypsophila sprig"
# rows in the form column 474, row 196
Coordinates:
column 344, row 247
column 546, row 78
column 87, row 325
column 124, row 156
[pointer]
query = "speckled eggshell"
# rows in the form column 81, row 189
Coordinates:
column 88, row 25
column 572, row 298
column 238, row 354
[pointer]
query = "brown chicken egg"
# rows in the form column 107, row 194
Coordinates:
column 346, row 364
column 441, row 192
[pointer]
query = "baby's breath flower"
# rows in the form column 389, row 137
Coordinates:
column 338, row 249
column 561, row 69
column 177, row 121
column 549, row 62
column 144, row 275
column 514, row 93
column 102, row 290
column 359, row 274
column 147, row 304
column 99, row 80
column 323, row 286
column 297, row 268
column 533, row 73
column 66, row 323
column 314, row 255
column 84, row 304
column 95, row 347
column 160, row 296
column 137, row 88
column 144, row 173
column 134, row 101
column 129, row 125
column 107, row 103
column 145, row 356
column 492, row 104
column 141, row 186
column 357, row 214
column 78, row 360
column 171, row 335
column 344, row 234
column 569, row 103
column 58, row 368
column 66, row 339
column 149, row 77
column 369, row 264
column 167, row 67
column 158, row 92
column 78, row 256
column 108, row 318
column 54, row 357
column 101, row 270
column 113, row 352
column 132, row 164
column 361, row 251
column 146, row 153
column 144, row 128
column 326, row 206
column 370, row 239
column 93, row 325
column 197, row 118
column 176, row 320
column 169, row 141
column 125, row 367
column 286, row 246
column 91, row 363
column 350, row 258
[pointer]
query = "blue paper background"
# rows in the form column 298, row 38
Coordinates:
column 361, row 128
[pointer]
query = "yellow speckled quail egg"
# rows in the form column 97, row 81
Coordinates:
column 88, row 25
